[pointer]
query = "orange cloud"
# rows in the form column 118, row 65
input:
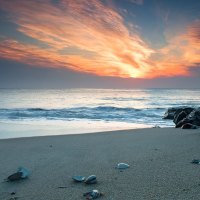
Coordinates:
column 181, row 53
column 88, row 36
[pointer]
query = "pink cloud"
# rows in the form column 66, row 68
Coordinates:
column 86, row 25
column 180, row 54
column 90, row 26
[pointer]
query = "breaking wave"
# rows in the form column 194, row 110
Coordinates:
column 107, row 113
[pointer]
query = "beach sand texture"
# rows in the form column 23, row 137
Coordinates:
column 159, row 160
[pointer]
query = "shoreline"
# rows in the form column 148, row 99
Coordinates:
column 159, row 160
column 36, row 129
column 84, row 133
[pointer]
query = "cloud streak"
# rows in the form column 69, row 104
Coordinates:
column 100, row 41
column 85, row 25
column 180, row 55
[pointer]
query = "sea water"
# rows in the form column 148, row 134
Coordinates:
column 90, row 110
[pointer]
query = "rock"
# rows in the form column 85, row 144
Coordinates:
column 180, row 116
column 171, row 112
column 189, row 126
column 184, row 115
column 182, row 122
column 188, row 110
column 192, row 118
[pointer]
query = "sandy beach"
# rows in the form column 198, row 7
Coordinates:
column 159, row 160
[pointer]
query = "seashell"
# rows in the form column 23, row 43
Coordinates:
column 122, row 166
column 196, row 161
column 22, row 173
column 25, row 172
column 14, row 177
column 94, row 194
column 91, row 179
column 78, row 178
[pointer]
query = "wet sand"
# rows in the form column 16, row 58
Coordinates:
column 159, row 160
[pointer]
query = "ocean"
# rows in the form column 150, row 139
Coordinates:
column 90, row 110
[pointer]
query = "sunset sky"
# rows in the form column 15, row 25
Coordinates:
column 99, row 43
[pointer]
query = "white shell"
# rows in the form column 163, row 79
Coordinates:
column 122, row 166
column 94, row 194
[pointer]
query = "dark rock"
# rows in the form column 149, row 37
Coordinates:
column 182, row 122
column 188, row 110
column 180, row 116
column 171, row 112
column 194, row 117
column 189, row 126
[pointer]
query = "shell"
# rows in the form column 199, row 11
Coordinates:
column 91, row 179
column 22, row 173
column 122, row 166
column 25, row 172
column 14, row 177
column 94, row 194
column 78, row 178
column 196, row 161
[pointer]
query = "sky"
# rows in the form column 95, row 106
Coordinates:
column 100, row 43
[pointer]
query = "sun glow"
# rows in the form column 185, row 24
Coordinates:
column 88, row 36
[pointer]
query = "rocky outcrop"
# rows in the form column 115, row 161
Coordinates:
column 172, row 112
column 189, row 126
column 184, row 117
column 181, row 114
column 192, row 118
